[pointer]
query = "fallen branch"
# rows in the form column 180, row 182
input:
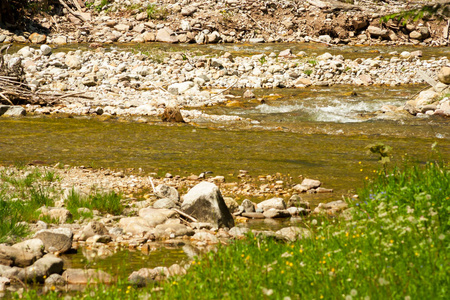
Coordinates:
column 427, row 79
column 251, row 18
column 75, row 13
column 221, row 92
column 151, row 182
column 4, row 97
column 78, row 94
column 185, row 215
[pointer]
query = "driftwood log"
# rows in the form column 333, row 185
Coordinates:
column 13, row 88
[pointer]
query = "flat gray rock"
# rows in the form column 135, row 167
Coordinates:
column 56, row 240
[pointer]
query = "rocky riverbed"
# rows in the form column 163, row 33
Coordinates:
column 155, row 216
column 132, row 84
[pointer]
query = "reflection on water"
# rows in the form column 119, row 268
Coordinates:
column 124, row 262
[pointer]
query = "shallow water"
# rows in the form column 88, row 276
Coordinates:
column 247, row 49
column 331, row 157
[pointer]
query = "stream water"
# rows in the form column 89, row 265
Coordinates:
column 319, row 132
column 247, row 49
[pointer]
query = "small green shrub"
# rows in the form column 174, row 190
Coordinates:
column 263, row 60
column 308, row 72
column 312, row 62
column 156, row 12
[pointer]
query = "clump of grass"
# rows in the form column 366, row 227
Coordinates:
column 312, row 62
column 50, row 176
column 262, row 60
column 108, row 202
column 10, row 226
column 308, row 72
column 156, row 12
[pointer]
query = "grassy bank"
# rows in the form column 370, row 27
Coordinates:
column 24, row 190
column 395, row 246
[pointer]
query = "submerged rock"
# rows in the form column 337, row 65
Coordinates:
column 85, row 276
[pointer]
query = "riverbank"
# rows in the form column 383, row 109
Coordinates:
column 67, row 209
column 397, row 219
column 229, row 21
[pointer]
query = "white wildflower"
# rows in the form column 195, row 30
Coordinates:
column 353, row 292
column 286, row 254
column 382, row 215
column 267, row 292
column 382, row 281
column 441, row 236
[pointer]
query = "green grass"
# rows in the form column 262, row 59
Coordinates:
column 109, row 202
column 10, row 228
column 23, row 191
column 156, row 12
column 395, row 246
column 20, row 197
column 312, row 62
column 308, row 72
